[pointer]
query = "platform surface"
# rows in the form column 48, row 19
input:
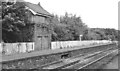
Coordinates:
column 4, row 58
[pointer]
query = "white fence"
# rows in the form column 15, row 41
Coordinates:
column 69, row 44
column 13, row 48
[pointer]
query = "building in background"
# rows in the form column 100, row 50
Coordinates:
column 42, row 36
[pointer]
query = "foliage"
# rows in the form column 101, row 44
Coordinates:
column 14, row 22
column 66, row 27
column 101, row 34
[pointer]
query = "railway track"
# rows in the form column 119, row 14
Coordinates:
column 79, row 61
column 89, row 61
column 98, row 59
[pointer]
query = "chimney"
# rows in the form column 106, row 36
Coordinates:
column 39, row 4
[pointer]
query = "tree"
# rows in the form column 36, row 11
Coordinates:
column 101, row 34
column 67, row 27
column 14, row 22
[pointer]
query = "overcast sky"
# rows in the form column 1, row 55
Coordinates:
column 95, row 13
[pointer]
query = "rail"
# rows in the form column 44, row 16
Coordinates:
column 63, row 63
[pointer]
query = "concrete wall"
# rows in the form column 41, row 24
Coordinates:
column 14, row 48
column 69, row 44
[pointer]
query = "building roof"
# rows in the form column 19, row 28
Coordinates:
column 37, row 8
